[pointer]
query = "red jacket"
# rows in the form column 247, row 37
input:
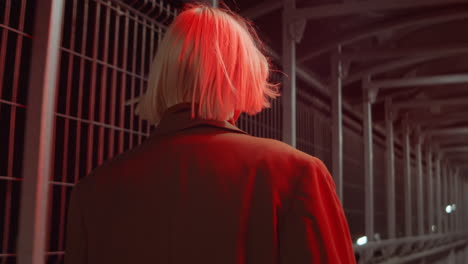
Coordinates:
column 201, row 191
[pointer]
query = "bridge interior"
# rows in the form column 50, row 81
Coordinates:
column 377, row 89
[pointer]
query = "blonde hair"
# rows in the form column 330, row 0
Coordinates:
column 212, row 58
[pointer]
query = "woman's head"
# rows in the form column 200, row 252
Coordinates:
column 212, row 58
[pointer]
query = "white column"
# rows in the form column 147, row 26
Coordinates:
column 430, row 190
column 419, row 190
column 289, row 82
column 439, row 207
column 368, row 162
column 390, row 166
column 407, row 173
column 337, row 122
column 445, row 195
column 39, row 131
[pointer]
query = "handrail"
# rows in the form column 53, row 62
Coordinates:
column 408, row 248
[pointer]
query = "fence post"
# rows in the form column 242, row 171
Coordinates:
column 39, row 131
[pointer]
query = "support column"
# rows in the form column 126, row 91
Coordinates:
column 452, row 201
column 430, row 191
column 439, row 207
column 289, row 81
column 39, row 132
column 390, row 165
column 449, row 197
column 444, row 195
column 419, row 190
column 407, row 173
column 337, row 122
column 368, row 161
column 458, row 202
column 465, row 206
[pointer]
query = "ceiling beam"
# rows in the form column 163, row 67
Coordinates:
column 351, row 8
column 448, row 131
column 452, row 140
column 440, row 119
column 397, row 64
column 356, row 35
column 455, row 149
column 419, row 81
column 262, row 9
column 394, row 53
column 432, row 103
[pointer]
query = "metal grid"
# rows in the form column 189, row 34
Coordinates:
column 266, row 124
column 15, row 48
column 106, row 51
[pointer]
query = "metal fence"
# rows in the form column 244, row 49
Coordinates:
column 15, row 49
column 105, row 53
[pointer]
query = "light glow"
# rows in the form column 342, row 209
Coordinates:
column 448, row 209
column 361, row 241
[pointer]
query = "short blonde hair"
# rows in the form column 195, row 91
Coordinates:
column 212, row 58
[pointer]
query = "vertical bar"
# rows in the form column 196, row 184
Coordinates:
column 254, row 122
column 133, row 78
column 317, row 134
column 390, row 165
column 309, row 131
column 444, row 196
column 80, row 93
column 39, row 130
column 115, row 60
column 464, row 205
column 452, row 200
column 3, row 44
column 289, row 67
column 368, row 161
column 459, row 209
column 337, row 122
column 449, row 198
column 142, row 72
column 152, row 32
column 66, row 132
column 102, row 106
column 8, row 216
column 407, row 173
column 92, row 96
column 430, row 190
column 419, row 190
column 124, row 83
column 438, row 209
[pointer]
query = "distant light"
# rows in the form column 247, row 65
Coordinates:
column 454, row 207
column 433, row 228
column 448, row 209
column 361, row 241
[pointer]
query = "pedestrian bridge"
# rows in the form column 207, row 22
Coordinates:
column 377, row 89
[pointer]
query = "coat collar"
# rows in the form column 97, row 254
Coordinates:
column 178, row 117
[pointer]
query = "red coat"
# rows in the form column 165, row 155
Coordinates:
column 201, row 191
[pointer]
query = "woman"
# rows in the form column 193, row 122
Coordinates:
column 200, row 190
